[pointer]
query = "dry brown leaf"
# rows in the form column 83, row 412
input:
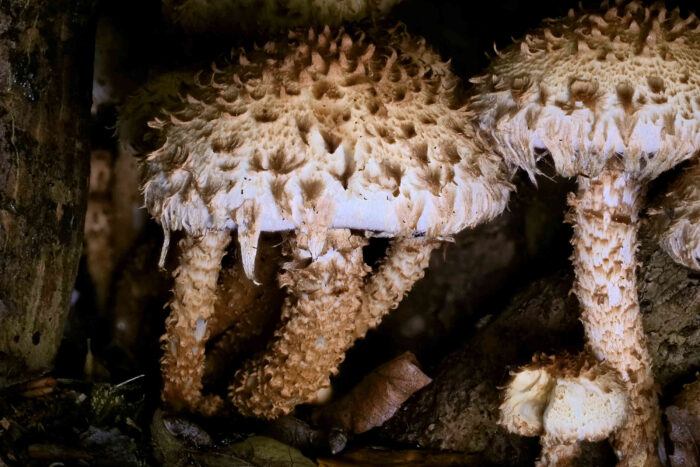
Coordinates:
column 684, row 433
column 376, row 398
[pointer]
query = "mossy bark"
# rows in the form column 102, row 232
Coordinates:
column 46, row 56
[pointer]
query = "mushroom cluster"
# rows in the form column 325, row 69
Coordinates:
column 564, row 400
column 612, row 97
column 331, row 137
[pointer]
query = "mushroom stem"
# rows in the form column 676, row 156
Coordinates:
column 318, row 320
column 555, row 452
column 404, row 265
column 186, row 333
column 244, row 313
column 241, row 305
column 605, row 218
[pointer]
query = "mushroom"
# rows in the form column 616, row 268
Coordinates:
column 224, row 16
column 611, row 96
column 564, row 400
column 677, row 218
column 331, row 138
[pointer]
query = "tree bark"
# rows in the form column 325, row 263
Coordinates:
column 46, row 54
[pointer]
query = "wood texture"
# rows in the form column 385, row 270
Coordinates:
column 46, row 57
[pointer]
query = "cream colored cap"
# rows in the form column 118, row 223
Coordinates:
column 619, row 82
column 319, row 131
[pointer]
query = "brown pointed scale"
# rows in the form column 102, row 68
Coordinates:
column 676, row 220
column 612, row 96
column 319, row 134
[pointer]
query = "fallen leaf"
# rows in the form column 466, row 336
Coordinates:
column 376, row 398
column 684, row 434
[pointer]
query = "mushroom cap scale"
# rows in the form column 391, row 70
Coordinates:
column 619, row 82
column 329, row 130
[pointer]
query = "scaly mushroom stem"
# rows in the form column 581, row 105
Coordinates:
column 186, row 333
column 244, row 312
column 555, row 452
column 241, row 303
column 404, row 265
column 318, row 319
column 605, row 218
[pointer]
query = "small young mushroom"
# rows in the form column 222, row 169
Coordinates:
column 677, row 219
column 330, row 137
column 564, row 400
column 611, row 96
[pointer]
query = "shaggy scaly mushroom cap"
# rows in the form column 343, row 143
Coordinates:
column 564, row 400
column 222, row 16
column 676, row 220
column 612, row 96
column 316, row 135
